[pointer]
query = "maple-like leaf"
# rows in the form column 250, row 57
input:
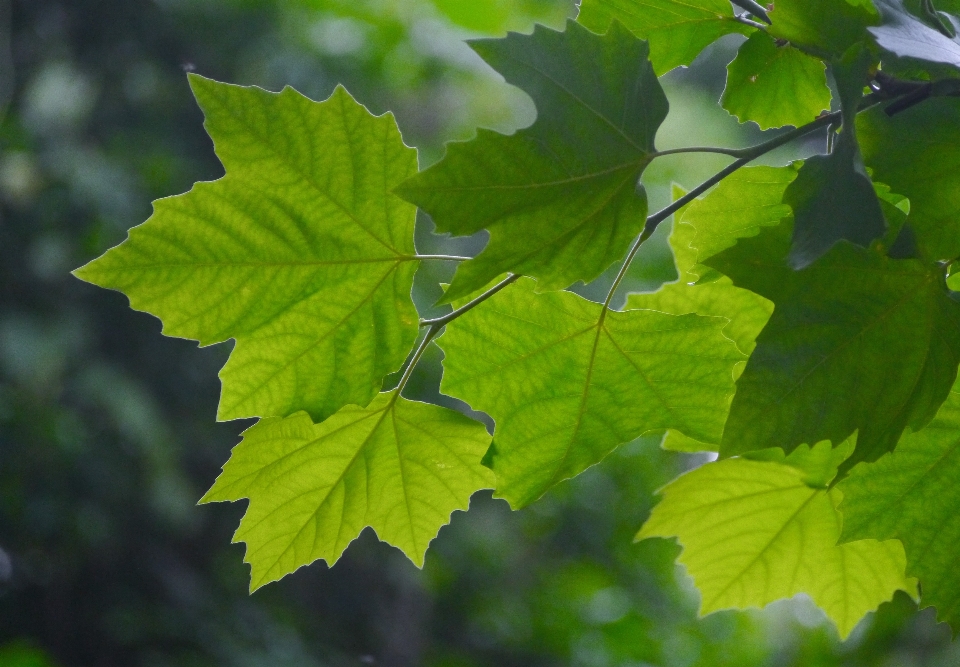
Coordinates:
column 566, row 381
column 757, row 531
column 917, row 153
column 300, row 253
column 912, row 494
column 834, row 358
column 398, row 466
column 560, row 199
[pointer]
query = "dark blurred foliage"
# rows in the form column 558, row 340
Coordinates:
column 107, row 430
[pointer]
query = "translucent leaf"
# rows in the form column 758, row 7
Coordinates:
column 917, row 153
column 566, row 383
column 857, row 341
column 912, row 494
column 775, row 85
column 677, row 31
column 300, row 253
column 397, row 466
column 561, row 198
column 825, row 27
column 754, row 531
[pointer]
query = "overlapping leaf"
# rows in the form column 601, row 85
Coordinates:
column 397, row 466
column 832, row 197
column 774, row 84
column 907, row 36
column 826, row 28
column 912, row 494
column 677, row 31
column 834, row 357
column 755, row 531
column 561, row 198
column 917, row 153
column 566, row 382
column 300, row 252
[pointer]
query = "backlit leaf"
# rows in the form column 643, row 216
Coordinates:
column 397, row 466
column 566, row 384
column 825, row 27
column 754, row 531
column 300, row 253
column 775, row 85
column 677, row 31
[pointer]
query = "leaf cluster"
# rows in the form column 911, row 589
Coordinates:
column 811, row 341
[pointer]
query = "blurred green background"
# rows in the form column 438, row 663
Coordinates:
column 107, row 429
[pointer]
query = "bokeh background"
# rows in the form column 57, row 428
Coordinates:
column 107, row 429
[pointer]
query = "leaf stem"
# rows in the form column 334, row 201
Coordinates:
column 747, row 155
column 449, row 258
column 437, row 323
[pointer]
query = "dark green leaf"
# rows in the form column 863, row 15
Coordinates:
column 832, row 197
column 912, row 494
column 917, row 153
column 857, row 341
column 561, row 199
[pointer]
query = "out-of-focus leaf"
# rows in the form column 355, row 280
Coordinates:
column 826, row 27
column 906, row 36
column 677, row 31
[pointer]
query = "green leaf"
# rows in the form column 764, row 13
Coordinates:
column 912, row 494
column 754, row 531
column 824, row 27
column 832, row 197
column 397, row 466
column 677, row 31
column 906, row 36
column 299, row 253
column 560, row 198
column 917, row 153
column 742, row 205
column 857, row 341
column 775, row 85
column 566, row 382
